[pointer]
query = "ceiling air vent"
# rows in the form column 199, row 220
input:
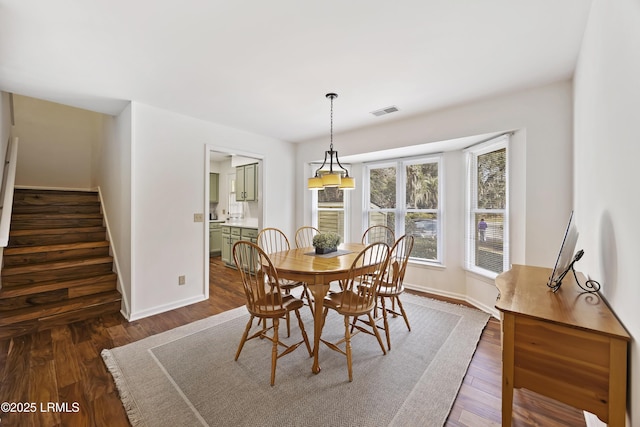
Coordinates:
column 384, row 111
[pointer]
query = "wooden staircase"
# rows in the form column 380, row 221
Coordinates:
column 57, row 268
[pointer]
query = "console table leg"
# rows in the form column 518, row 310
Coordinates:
column 617, row 383
column 508, row 330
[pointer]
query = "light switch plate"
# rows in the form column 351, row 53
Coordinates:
column 198, row 217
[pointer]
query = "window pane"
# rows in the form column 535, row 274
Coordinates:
column 333, row 221
column 331, row 210
column 422, row 186
column 492, row 180
column 382, row 183
column 424, row 229
column 490, row 241
column 332, row 196
column 382, row 218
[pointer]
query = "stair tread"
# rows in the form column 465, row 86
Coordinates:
column 53, row 231
column 42, row 216
column 56, row 308
column 21, row 250
column 16, row 291
column 56, row 265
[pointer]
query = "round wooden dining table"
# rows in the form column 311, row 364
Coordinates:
column 317, row 271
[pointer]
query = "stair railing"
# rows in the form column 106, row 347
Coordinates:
column 6, row 192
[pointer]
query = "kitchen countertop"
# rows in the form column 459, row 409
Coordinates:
column 244, row 223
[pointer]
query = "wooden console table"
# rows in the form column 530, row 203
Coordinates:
column 566, row 345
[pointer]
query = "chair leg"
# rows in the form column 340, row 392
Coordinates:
column 304, row 333
column 404, row 314
column 347, row 339
column 386, row 323
column 244, row 337
column 287, row 292
column 274, row 350
column 288, row 325
column 377, row 334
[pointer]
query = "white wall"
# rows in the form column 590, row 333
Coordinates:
column 56, row 143
column 168, row 187
column 607, row 148
column 5, row 126
column 114, row 179
column 541, row 185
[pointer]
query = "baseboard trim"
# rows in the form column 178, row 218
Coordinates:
column 460, row 297
column 167, row 307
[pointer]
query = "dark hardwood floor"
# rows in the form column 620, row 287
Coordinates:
column 63, row 365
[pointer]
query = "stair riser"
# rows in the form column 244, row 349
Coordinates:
column 55, row 223
column 65, row 318
column 72, row 254
column 69, row 237
column 7, row 305
column 104, row 281
column 53, row 275
column 43, row 298
column 22, row 198
column 56, row 309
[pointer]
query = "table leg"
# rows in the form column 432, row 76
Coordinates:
column 319, row 290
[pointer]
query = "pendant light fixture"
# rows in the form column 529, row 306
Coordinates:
column 338, row 177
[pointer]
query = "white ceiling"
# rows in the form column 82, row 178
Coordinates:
column 265, row 66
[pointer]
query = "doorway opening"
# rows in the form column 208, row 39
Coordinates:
column 234, row 198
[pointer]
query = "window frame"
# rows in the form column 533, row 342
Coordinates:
column 472, row 153
column 400, row 211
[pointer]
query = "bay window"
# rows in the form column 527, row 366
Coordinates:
column 405, row 195
column 487, row 225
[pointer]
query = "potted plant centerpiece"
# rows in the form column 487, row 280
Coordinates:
column 326, row 242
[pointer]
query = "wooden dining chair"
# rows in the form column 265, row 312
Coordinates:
column 391, row 287
column 354, row 301
column 378, row 233
column 265, row 300
column 273, row 240
column 304, row 236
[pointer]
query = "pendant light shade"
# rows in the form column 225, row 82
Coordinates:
column 338, row 177
column 315, row 183
column 347, row 183
column 331, row 179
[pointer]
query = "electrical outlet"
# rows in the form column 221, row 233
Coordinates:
column 198, row 217
column 182, row 280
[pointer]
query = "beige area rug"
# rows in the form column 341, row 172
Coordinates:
column 187, row 376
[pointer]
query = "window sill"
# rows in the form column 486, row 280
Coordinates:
column 484, row 275
column 428, row 264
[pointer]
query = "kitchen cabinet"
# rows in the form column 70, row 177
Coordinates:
column 214, row 192
column 226, row 245
column 215, row 238
column 246, row 183
column 230, row 235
